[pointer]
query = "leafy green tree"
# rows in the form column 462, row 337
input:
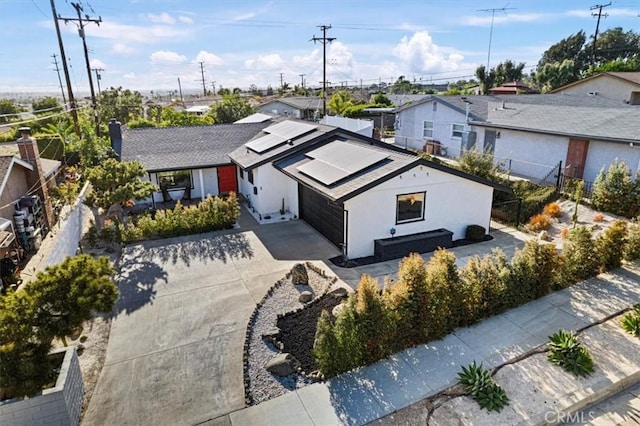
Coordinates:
column 223, row 91
column 231, row 109
column 141, row 123
column 114, row 182
column 579, row 259
column 121, row 104
column 381, row 99
column 326, row 350
column 173, row 118
column 373, row 326
column 616, row 191
column 446, row 294
column 555, row 74
column 340, row 102
column 615, row 44
column 610, row 245
column 570, row 48
column 48, row 103
column 632, row 247
column 480, row 164
column 486, row 78
column 402, row 86
column 508, row 71
column 8, row 110
column 487, row 275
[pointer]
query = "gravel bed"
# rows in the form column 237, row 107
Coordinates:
column 284, row 298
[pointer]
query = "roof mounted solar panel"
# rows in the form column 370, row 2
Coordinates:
column 323, row 172
column 290, row 129
column 265, row 143
column 350, row 157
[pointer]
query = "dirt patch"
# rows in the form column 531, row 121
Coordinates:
column 298, row 330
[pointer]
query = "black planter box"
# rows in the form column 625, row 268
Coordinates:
column 423, row 242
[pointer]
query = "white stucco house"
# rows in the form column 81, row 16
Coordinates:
column 356, row 191
column 528, row 135
column 305, row 108
column 185, row 163
column 619, row 86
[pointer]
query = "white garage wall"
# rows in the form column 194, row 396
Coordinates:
column 602, row 154
column 530, row 154
column 273, row 186
column 451, row 202
column 210, row 180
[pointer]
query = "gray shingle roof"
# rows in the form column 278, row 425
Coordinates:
column 613, row 124
column 302, row 103
column 173, row 148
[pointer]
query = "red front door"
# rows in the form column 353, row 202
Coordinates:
column 576, row 158
column 227, row 179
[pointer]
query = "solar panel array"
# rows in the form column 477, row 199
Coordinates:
column 278, row 134
column 338, row 160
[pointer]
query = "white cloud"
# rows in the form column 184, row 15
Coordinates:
column 208, row 58
column 132, row 33
column 129, row 76
column 167, row 57
column 97, row 63
column 122, row 49
column 244, row 16
column 421, row 55
column 163, row 18
column 500, row 18
column 185, row 19
column 267, row 62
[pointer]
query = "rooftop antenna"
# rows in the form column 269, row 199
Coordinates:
column 493, row 14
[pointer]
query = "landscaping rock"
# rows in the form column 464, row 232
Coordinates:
column 305, row 297
column 544, row 236
column 340, row 293
column 336, row 311
column 282, row 365
column 299, row 275
column 271, row 335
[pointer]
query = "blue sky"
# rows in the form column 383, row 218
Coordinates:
column 149, row 44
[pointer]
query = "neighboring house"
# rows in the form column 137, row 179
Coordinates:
column 439, row 125
column 359, row 126
column 354, row 189
column 585, row 139
column 185, row 162
column 304, row 108
column 255, row 118
column 198, row 109
column 513, row 88
column 619, row 86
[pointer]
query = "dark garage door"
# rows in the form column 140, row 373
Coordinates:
column 323, row 214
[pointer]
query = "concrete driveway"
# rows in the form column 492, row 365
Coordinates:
column 175, row 350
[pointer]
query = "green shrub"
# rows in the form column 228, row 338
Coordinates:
column 326, row 351
column 534, row 197
column 485, row 279
column 446, row 295
column 616, row 191
column 372, row 320
column 568, row 353
column 632, row 247
column 579, row 259
column 478, row 382
column 631, row 321
column 531, row 273
column 475, row 233
column 610, row 246
column 479, row 164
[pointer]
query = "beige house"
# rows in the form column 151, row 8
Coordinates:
column 619, row 86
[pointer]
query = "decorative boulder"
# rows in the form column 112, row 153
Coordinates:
column 282, row 365
column 305, row 296
column 271, row 335
column 299, row 274
column 340, row 293
column 337, row 310
column 544, row 236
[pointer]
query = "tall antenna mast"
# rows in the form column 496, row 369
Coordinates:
column 493, row 14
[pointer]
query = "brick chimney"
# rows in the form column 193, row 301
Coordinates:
column 30, row 153
column 115, row 134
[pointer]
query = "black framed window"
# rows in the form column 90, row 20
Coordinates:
column 175, row 179
column 410, row 207
column 250, row 176
column 241, row 173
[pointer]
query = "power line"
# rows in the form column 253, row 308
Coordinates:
column 55, row 62
column 493, row 14
column 81, row 20
column 324, row 40
column 595, row 36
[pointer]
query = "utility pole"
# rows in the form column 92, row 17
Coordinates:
column 180, row 89
column 324, row 40
column 282, row 82
column 81, row 20
column 204, row 84
column 55, row 62
column 213, row 86
column 595, row 36
column 493, row 14
column 302, row 83
column 65, row 68
column 98, row 78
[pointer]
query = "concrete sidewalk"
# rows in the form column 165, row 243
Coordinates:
column 376, row 391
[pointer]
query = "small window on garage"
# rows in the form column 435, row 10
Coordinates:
column 250, row 176
column 457, row 130
column 410, row 207
column 241, row 173
column 175, row 179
